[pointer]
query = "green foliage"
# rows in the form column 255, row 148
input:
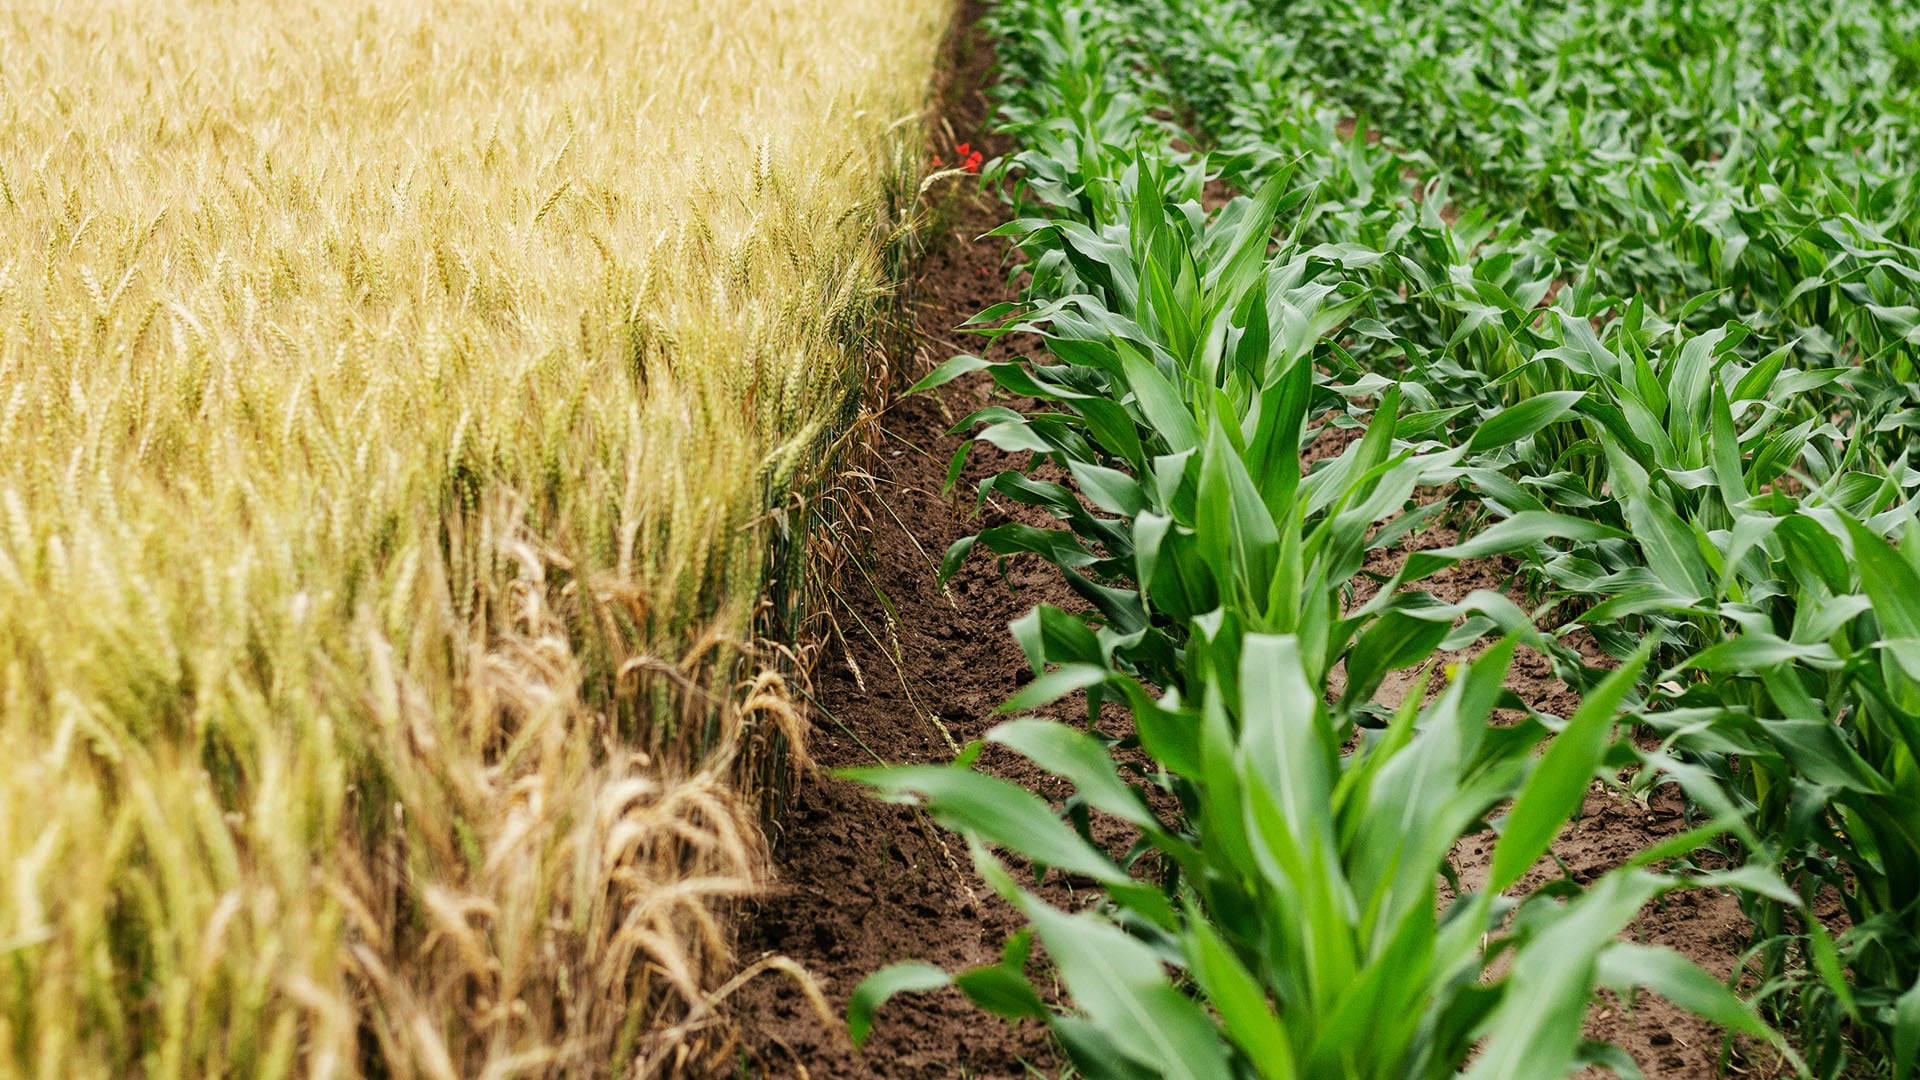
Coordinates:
column 1625, row 294
column 1298, row 895
column 1294, row 893
column 1670, row 212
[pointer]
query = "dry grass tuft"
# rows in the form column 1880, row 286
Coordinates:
column 401, row 406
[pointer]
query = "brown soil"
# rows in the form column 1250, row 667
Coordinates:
column 915, row 671
column 921, row 671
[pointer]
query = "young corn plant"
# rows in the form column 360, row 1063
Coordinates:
column 1794, row 219
column 1800, row 706
column 1814, row 724
column 1770, row 234
column 1292, row 894
column 1184, row 390
column 1759, row 568
column 1290, row 922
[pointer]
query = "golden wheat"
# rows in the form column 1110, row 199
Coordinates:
column 399, row 403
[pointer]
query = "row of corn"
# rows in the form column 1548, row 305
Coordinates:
column 1643, row 335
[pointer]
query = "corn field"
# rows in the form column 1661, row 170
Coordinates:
column 1622, row 299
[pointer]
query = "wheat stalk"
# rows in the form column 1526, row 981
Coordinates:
column 378, row 382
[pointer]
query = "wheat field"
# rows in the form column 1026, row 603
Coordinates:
column 403, row 406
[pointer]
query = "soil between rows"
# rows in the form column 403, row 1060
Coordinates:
column 915, row 671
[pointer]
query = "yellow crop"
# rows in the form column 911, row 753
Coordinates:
column 398, row 406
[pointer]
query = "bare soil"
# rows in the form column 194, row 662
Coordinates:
column 916, row 671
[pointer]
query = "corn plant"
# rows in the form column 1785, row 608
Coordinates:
column 1286, row 925
column 1186, row 389
column 1685, row 449
column 1773, row 609
column 1813, row 725
column 1722, row 200
column 1294, row 892
column 1771, row 236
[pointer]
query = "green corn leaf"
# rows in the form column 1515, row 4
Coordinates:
column 1036, row 383
column 1015, row 437
column 1905, row 653
column 1109, row 489
column 956, row 554
column 1652, row 442
column 1749, row 533
column 998, row 812
column 1396, row 640
column 1273, row 454
column 1253, row 344
column 1245, row 261
column 1002, row 992
column 1240, row 540
column 1079, row 758
column 1906, row 1032
column 1609, row 1057
column 1171, row 737
column 1221, row 817
column 1891, row 583
column 1282, row 729
column 1814, row 556
column 1159, row 402
column 1826, row 962
column 1559, row 783
column 1169, row 313
column 1121, row 986
column 1820, row 752
column 997, row 312
column 949, row 371
column 1241, row 1001
column 1093, row 1050
column 1114, row 430
column 876, row 989
column 1517, row 533
column 1171, row 478
column 956, row 465
column 1288, row 758
column 1536, row 1028
column 1681, row 981
column 1752, row 878
column 1057, row 546
column 1651, row 391
column 1752, row 652
column 1376, row 1019
column 1049, row 635
column 1149, row 537
column 1689, row 379
column 1054, row 685
column 1669, row 545
column 1122, row 608
column 1517, row 422
column 1759, row 380
column 1723, row 445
